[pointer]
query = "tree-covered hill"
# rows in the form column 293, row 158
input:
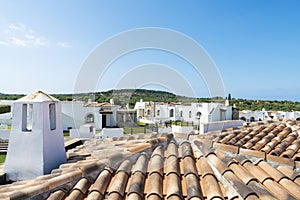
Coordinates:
column 131, row 96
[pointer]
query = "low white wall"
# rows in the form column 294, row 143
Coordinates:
column 164, row 130
column 76, row 133
column 182, row 129
column 112, row 132
column 220, row 125
column 4, row 134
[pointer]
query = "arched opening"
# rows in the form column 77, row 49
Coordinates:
column 198, row 114
column 158, row 113
column 298, row 119
column 171, row 113
column 90, row 118
column 252, row 119
column 243, row 118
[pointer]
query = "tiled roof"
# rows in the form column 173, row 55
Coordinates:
column 162, row 167
column 37, row 96
column 282, row 139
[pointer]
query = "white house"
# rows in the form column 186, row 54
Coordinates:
column 160, row 112
column 251, row 116
column 78, row 113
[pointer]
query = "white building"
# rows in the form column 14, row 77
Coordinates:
column 251, row 116
column 36, row 143
column 77, row 113
column 160, row 112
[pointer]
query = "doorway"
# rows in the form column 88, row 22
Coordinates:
column 103, row 121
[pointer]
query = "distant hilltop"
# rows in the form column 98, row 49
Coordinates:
column 131, row 96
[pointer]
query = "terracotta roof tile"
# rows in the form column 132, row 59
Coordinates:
column 156, row 165
column 101, row 183
column 172, row 150
column 57, row 195
column 291, row 187
column 78, row 192
column 186, row 150
column 136, row 186
column 211, row 188
column 289, row 171
column 172, row 165
column 297, row 180
column 241, row 189
column 166, row 169
column 173, row 186
column 218, row 163
column 193, row 187
column 276, row 175
column 277, row 190
column 189, row 166
column 141, row 164
column 204, row 168
column 154, row 186
column 118, row 184
column 256, row 171
column 242, row 173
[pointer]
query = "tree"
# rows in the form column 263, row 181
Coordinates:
column 229, row 96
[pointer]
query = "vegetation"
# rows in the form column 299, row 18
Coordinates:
column 4, row 109
column 2, row 158
column 244, row 104
column 131, row 96
column 11, row 96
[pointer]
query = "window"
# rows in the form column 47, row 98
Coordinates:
column 158, row 112
column 172, row 113
column 190, row 114
column 89, row 118
column 181, row 114
column 52, row 116
column 27, row 117
column 148, row 112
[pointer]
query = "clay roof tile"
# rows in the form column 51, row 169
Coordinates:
column 102, row 182
column 136, row 185
column 210, row 187
column 173, row 186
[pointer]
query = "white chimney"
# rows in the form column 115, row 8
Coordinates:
column 36, row 143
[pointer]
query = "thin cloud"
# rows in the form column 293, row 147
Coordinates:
column 21, row 35
column 63, row 44
column 4, row 43
column 18, row 42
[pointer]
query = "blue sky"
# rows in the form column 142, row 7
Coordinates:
column 254, row 44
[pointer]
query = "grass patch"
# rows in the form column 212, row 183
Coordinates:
column 182, row 123
column 66, row 134
column 141, row 124
column 2, row 158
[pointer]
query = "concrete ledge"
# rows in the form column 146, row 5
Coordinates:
column 281, row 160
column 250, row 152
column 226, row 147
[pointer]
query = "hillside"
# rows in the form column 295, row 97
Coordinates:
column 124, row 96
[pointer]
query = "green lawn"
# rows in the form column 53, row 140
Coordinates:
column 2, row 158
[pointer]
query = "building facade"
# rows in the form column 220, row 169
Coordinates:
column 156, row 112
